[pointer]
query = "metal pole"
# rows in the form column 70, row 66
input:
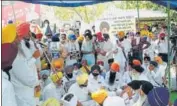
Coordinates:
column 169, row 27
column 13, row 11
column 137, row 4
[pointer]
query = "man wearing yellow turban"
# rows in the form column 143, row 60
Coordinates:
column 8, row 33
column 51, row 102
column 55, row 88
column 79, row 89
column 102, row 98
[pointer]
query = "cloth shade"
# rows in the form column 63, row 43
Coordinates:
column 9, row 33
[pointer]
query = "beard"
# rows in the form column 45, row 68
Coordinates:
column 27, row 44
column 112, row 77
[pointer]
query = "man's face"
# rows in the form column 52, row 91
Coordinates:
column 151, row 67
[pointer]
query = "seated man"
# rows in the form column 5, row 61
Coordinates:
column 80, row 90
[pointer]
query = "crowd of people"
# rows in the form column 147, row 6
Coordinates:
column 45, row 69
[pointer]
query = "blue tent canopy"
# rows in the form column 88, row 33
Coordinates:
column 173, row 4
column 62, row 3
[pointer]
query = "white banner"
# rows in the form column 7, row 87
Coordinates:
column 112, row 25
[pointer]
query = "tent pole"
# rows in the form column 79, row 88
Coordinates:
column 169, row 26
column 137, row 3
column 13, row 11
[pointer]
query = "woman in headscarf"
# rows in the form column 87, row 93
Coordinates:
column 95, row 79
column 24, row 73
column 88, row 49
column 9, row 53
column 73, row 50
column 80, row 90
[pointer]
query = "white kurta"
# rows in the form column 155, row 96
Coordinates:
column 71, row 47
column 106, row 46
column 67, row 82
column 24, row 79
column 98, row 83
column 49, row 91
column 151, row 50
column 8, row 95
column 114, row 101
column 155, row 77
column 127, row 46
column 119, row 58
column 81, row 94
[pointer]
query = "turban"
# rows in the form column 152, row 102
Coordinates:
column 155, row 64
column 121, row 34
column 138, row 69
column 96, row 67
column 146, row 87
column 151, row 35
column 115, row 67
column 39, row 36
column 114, row 101
column 110, row 61
column 56, row 77
column 69, row 99
column 99, row 37
column 44, row 72
column 44, row 65
column 135, row 84
column 144, row 33
column 158, row 60
column 175, row 103
column 131, row 33
column 158, row 97
column 100, row 63
column 82, row 79
column 99, row 96
column 51, row 102
column 10, row 22
column 8, row 54
column 23, row 29
column 80, row 38
column 72, row 37
column 136, row 62
column 162, row 35
column 8, row 33
column 58, row 63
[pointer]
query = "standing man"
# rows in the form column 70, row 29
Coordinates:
column 24, row 73
column 9, row 53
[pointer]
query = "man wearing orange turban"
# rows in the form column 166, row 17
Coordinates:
column 24, row 70
column 114, row 80
column 136, row 62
